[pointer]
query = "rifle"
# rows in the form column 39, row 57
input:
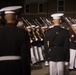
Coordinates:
column 70, row 23
column 39, row 24
column 33, row 32
column 45, row 22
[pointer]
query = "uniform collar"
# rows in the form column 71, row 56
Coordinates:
column 56, row 26
column 11, row 24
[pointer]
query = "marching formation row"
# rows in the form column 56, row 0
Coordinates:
column 36, row 33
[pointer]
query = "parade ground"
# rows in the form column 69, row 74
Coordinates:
column 38, row 70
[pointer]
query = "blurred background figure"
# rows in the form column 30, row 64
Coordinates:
column 14, row 46
column 72, row 63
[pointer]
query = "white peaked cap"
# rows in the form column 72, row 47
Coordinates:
column 73, row 24
column 37, row 27
column 10, row 8
column 44, row 27
column 28, row 27
column 57, row 15
column 51, row 26
column 32, row 25
column 9, row 12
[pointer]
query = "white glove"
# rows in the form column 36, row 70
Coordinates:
column 66, row 63
column 46, row 63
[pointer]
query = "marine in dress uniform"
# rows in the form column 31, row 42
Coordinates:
column 32, row 51
column 35, row 47
column 38, row 43
column 44, row 29
column 72, row 63
column 14, row 47
column 56, row 43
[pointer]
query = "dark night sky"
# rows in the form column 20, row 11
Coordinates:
column 5, row 3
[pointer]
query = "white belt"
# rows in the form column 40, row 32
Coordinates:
column 3, row 58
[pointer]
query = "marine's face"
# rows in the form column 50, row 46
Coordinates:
column 37, row 29
column 28, row 29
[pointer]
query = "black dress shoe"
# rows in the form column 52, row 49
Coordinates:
column 71, row 69
column 74, row 69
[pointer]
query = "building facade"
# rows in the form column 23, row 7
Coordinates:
column 44, row 8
